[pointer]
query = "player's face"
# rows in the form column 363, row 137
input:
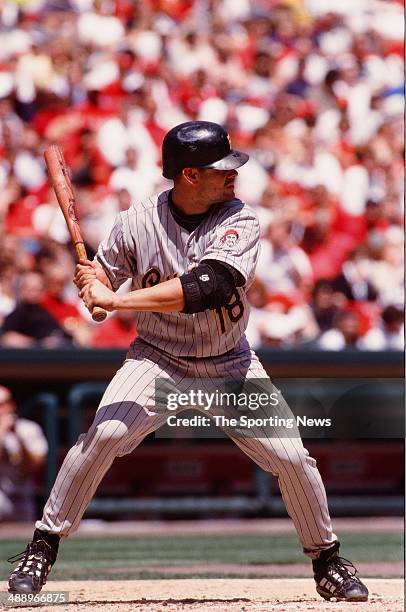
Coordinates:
column 217, row 185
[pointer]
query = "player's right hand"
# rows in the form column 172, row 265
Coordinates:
column 97, row 294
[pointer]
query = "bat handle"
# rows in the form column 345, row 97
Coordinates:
column 98, row 314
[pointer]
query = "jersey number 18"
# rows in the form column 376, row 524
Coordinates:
column 233, row 311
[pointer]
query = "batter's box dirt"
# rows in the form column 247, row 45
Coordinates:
column 216, row 595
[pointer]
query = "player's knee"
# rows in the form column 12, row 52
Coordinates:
column 107, row 434
column 114, row 431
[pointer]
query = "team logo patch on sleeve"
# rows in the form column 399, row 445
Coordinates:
column 229, row 239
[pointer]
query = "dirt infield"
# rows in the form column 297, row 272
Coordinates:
column 381, row 569
column 218, row 595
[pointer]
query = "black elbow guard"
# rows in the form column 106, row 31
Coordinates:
column 203, row 290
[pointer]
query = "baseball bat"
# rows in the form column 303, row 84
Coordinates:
column 59, row 175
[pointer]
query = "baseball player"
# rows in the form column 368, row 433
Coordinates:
column 190, row 253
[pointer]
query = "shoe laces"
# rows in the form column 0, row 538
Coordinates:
column 343, row 567
column 34, row 560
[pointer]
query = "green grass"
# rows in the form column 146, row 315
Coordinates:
column 131, row 558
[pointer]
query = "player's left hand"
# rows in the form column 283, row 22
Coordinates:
column 97, row 294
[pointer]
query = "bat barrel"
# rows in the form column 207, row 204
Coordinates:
column 58, row 172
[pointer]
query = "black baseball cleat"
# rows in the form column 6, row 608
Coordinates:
column 336, row 577
column 36, row 561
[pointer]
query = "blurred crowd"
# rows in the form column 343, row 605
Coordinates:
column 312, row 90
column 23, row 451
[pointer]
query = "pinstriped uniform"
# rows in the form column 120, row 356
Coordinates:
column 148, row 246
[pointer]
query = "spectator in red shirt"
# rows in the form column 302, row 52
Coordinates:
column 63, row 310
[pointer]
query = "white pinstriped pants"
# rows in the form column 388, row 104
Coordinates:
column 127, row 414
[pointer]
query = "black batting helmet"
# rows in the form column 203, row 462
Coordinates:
column 198, row 144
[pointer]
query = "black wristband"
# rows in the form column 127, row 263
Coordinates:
column 192, row 293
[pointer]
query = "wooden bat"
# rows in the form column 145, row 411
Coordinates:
column 59, row 175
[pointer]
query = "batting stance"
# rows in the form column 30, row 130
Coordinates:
column 191, row 253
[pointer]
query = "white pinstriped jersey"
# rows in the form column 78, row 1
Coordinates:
column 147, row 245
